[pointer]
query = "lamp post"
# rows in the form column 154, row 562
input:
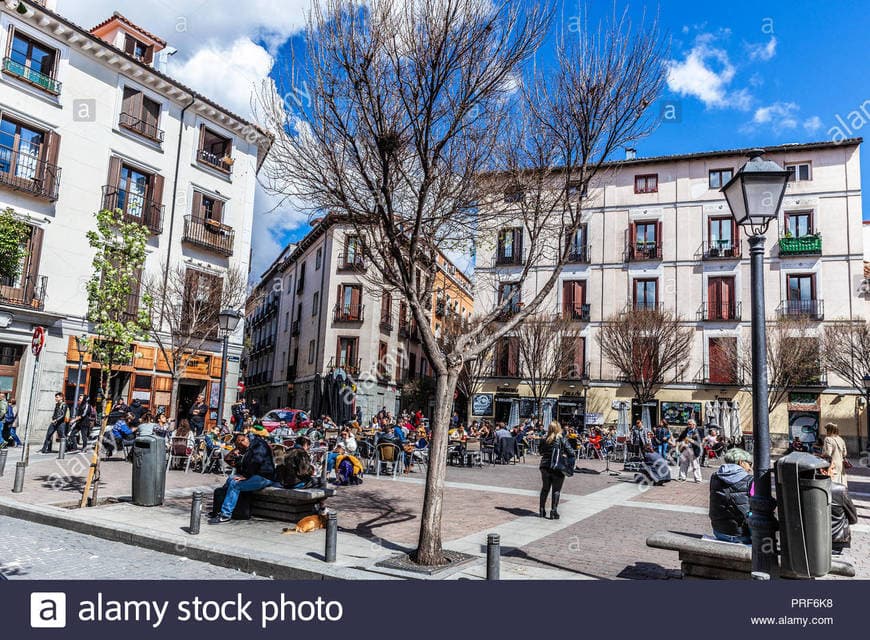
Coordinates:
column 584, row 382
column 867, row 412
column 228, row 320
column 754, row 196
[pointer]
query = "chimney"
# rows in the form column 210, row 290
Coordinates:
column 630, row 153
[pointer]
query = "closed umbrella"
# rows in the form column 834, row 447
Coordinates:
column 725, row 424
column 547, row 412
column 710, row 413
column 317, row 396
column 736, row 428
column 514, row 417
column 622, row 423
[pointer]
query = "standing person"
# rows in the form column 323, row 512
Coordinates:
column 5, row 436
column 358, row 415
column 238, row 412
column 557, row 461
column 197, row 414
column 834, row 450
column 254, row 410
column 9, row 422
column 690, row 450
column 637, row 440
column 59, row 420
column 84, row 420
column 663, row 438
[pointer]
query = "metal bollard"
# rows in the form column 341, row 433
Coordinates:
column 18, row 485
column 195, row 513
column 4, row 453
column 760, row 575
column 493, row 556
column 61, row 451
column 331, row 535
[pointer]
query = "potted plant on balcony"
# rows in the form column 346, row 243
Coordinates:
column 227, row 160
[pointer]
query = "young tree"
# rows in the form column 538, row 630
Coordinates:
column 13, row 239
column 118, row 260
column 648, row 347
column 548, row 351
column 183, row 314
column 410, row 131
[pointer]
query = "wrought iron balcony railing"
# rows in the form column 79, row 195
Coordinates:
column 719, row 310
column 27, row 173
column 209, row 234
column 138, row 125
column 813, row 309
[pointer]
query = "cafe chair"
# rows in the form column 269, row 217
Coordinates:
column 473, row 452
column 179, row 451
column 388, row 455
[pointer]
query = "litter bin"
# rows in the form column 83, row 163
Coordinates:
column 149, row 471
column 804, row 509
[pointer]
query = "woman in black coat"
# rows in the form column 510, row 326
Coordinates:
column 730, row 487
column 553, row 477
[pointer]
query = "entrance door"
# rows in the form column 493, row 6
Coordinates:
column 187, row 392
column 503, row 406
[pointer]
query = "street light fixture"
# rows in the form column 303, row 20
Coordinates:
column 228, row 321
column 754, row 196
column 867, row 410
column 585, row 383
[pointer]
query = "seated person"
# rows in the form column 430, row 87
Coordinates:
column 120, row 435
column 843, row 514
column 297, row 470
column 254, row 470
column 283, row 430
column 729, row 497
column 348, row 468
column 347, row 440
column 655, row 467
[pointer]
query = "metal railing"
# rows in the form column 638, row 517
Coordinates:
column 643, row 251
column 508, row 310
column 814, row 309
column 209, row 234
column 215, row 160
column 26, row 172
column 644, row 306
column 809, row 245
column 134, row 207
column 140, row 126
column 348, row 312
column 502, row 259
column 355, row 262
column 719, row 310
column 31, row 293
column 720, row 250
column 386, row 324
column 31, row 76
column 732, row 376
column 579, row 254
column 576, row 312
column 350, row 366
column 294, row 329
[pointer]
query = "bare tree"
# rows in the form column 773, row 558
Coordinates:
column 411, row 131
column 548, row 347
column 649, row 348
column 184, row 315
column 846, row 351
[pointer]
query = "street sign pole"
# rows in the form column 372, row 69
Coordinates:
column 36, row 346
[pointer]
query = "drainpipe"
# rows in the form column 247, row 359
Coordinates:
column 173, row 205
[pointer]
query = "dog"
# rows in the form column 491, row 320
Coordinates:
column 307, row 524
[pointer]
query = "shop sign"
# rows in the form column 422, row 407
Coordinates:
column 798, row 401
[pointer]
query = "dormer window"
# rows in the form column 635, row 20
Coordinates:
column 138, row 49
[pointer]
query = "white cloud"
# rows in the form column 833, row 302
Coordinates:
column 706, row 73
column 273, row 221
column 780, row 116
column 758, row 51
column 812, row 124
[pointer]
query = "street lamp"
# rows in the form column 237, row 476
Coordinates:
column 754, row 196
column 867, row 410
column 584, row 382
column 228, row 320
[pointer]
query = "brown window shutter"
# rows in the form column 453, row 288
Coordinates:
column 34, row 253
column 201, row 137
column 567, row 296
column 632, row 235
column 127, row 102
column 149, row 55
column 197, row 211
column 129, row 45
column 218, row 211
column 154, row 221
column 735, row 233
column 113, row 181
column 50, row 170
column 355, row 295
column 338, row 351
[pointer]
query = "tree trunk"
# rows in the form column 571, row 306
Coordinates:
column 469, row 409
column 429, row 550
column 173, row 397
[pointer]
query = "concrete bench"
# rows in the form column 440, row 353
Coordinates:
column 289, row 505
column 715, row 560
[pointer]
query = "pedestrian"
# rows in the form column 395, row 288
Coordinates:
column 689, row 446
column 663, row 438
column 9, row 420
column 730, row 488
column 197, row 414
column 834, row 450
column 557, row 461
column 254, row 410
column 59, row 420
column 83, row 421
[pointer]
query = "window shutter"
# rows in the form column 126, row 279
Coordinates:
column 567, row 297
column 149, row 55
column 218, row 211
column 129, row 45
column 33, row 257
column 355, row 301
column 201, row 137
column 154, row 221
column 133, row 301
column 580, row 355
column 514, row 356
column 197, row 211
column 518, row 244
column 113, row 182
column 659, row 237
column 137, row 104
column 9, row 38
column 579, row 293
column 632, row 237
column 735, row 233
column 50, row 170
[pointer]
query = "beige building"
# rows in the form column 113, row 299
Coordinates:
column 659, row 232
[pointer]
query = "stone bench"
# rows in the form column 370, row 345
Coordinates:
column 715, row 560
column 289, row 505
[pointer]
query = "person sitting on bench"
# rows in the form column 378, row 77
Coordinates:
column 297, row 470
column 730, row 487
column 254, row 470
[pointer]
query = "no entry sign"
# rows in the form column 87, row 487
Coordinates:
column 38, row 341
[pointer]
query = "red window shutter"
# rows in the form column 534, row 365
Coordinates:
column 355, row 301
column 735, row 233
column 579, row 295
column 580, row 355
column 567, row 296
column 632, row 238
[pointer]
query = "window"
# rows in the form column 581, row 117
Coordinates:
column 798, row 171
column 32, row 61
column 514, row 195
column 574, row 300
column 510, row 246
column 207, row 208
column 21, row 148
column 311, row 351
column 215, row 150
column 139, row 195
column 721, row 234
column 576, row 191
column 138, row 49
column 412, row 365
column 645, row 241
column 799, row 224
column 141, row 115
column 509, row 295
column 286, row 321
column 722, row 358
column 386, row 309
column 718, row 178
column 315, row 303
column 27, row 287
column 300, row 279
column 318, row 258
column 801, row 287
column 383, row 351
column 507, row 357
column 346, row 354
column 574, row 357
column 577, row 251
column 349, row 303
column 648, row 183
column 721, row 298
column 646, row 295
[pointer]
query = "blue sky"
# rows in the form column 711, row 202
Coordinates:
column 741, row 73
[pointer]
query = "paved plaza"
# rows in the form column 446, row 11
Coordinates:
column 605, row 520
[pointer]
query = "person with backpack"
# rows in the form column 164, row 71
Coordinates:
column 730, row 488
column 59, row 420
column 9, row 419
column 297, row 469
column 557, row 461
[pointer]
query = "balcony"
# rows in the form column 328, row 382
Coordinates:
column 222, row 163
column 576, row 312
column 386, row 324
column 138, row 125
column 352, row 262
column 505, row 370
column 294, row 328
column 27, row 173
column 718, row 311
column 720, row 250
column 641, row 251
column 30, row 76
column 508, row 259
column 717, row 376
column 209, row 234
column 814, row 376
column 813, row 309
column 349, row 365
column 810, row 245
column 348, row 313
column 579, row 255
column 509, row 310
column 134, row 207
column 30, row 295
column 641, row 305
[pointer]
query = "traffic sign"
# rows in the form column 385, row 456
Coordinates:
column 38, row 341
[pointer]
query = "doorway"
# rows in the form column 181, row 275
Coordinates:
column 187, row 392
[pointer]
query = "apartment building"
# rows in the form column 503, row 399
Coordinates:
column 658, row 232
column 89, row 120
column 317, row 310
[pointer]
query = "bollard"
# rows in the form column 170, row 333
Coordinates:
column 493, row 556
column 3, row 455
column 760, row 575
column 18, row 485
column 331, row 535
column 61, row 451
column 195, row 513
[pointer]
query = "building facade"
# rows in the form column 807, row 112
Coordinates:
column 89, row 121
column 659, row 232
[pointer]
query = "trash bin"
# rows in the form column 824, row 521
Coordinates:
column 149, row 471
column 804, row 510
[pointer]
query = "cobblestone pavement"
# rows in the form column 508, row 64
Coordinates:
column 37, row 552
